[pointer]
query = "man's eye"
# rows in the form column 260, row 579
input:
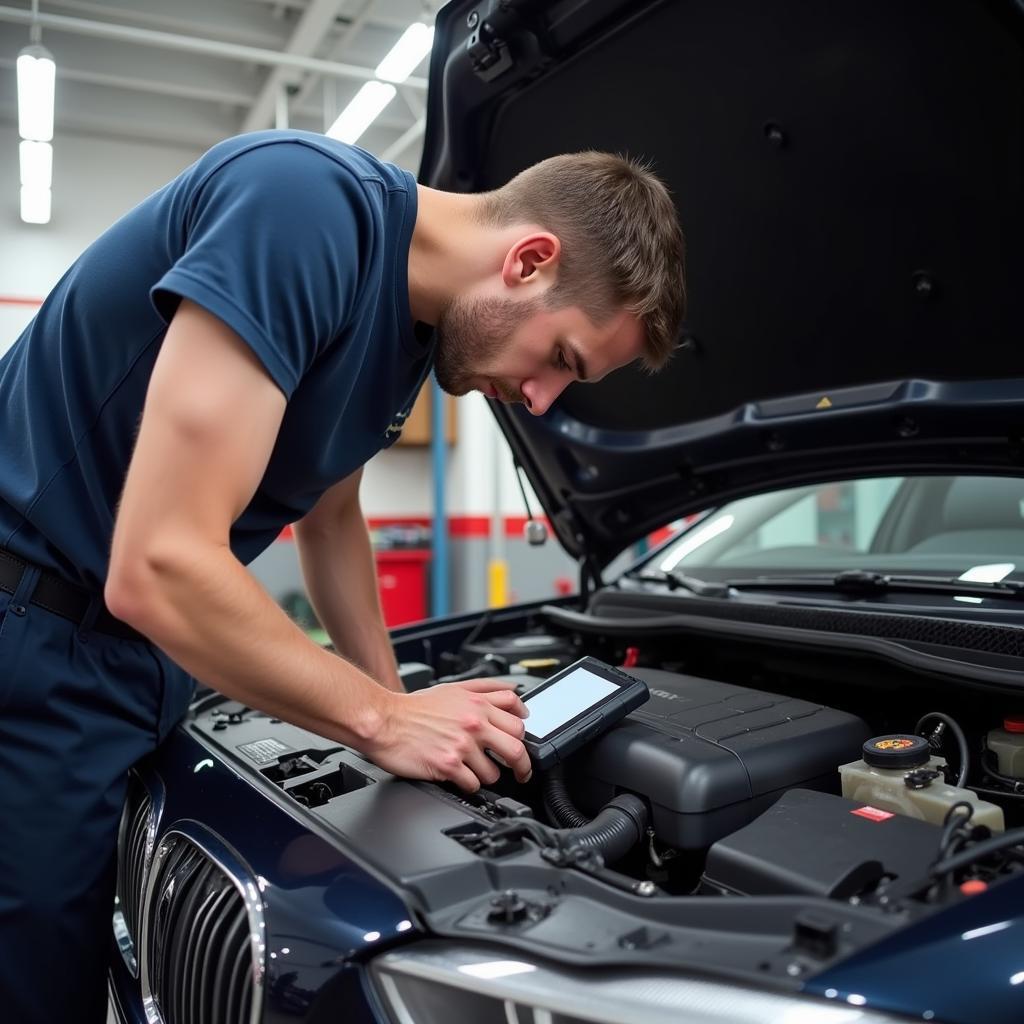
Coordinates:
column 562, row 363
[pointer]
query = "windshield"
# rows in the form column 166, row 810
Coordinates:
column 966, row 526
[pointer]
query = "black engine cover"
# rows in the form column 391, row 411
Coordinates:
column 711, row 756
column 821, row 845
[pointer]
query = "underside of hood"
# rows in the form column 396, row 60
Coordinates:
column 849, row 180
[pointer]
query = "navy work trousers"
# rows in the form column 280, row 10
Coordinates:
column 77, row 709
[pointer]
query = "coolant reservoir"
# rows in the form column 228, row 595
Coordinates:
column 1008, row 746
column 896, row 775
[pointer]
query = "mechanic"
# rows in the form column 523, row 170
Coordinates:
column 220, row 363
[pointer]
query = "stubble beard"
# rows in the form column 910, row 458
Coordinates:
column 470, row 334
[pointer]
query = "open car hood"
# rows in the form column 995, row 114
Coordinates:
column 849, row 179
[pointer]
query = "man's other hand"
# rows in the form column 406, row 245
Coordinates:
column 442, row 733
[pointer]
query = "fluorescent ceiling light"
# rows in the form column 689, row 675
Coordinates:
column 365, row 107
column 36, row 164
column 406, row 55
column 36, row 75
column 35, row 205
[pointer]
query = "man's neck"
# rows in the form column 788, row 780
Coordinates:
column 451, row 250
column 444, row 233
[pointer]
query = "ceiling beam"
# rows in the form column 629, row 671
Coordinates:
column 225, row 32
column 414, row 101
column 368, row 16
column 190, row 44
column 379, row 20
column 308, row 35
column 100, row 127
column 155, row 132
column 405, row 140
column 295, row 5
column 131, row 83
column 348, row 35
column 179, row 90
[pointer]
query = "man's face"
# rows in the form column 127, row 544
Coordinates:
column 518, row 350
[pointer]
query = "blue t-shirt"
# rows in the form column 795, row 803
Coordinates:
column 297, row 242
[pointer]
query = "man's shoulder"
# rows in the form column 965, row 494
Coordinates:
column 294, row 147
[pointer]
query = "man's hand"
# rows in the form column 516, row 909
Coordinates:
column 441, row 733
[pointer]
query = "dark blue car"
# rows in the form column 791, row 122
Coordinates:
column 817, row 815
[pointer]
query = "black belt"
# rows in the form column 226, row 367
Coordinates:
column 60, row 597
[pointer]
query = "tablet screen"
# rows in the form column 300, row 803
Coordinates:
column 561, row 702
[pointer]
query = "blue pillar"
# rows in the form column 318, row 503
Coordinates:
column 439, row 456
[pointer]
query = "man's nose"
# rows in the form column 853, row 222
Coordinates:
column 540, row 393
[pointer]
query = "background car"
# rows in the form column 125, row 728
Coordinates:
column 940, row 525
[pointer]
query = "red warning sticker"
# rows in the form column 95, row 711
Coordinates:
column 873, row 813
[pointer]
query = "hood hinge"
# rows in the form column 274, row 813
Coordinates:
column 489, row 32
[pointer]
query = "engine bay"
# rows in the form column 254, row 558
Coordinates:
column 887, row 800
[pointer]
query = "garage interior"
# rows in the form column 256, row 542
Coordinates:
column 844, row 610
column 142, row 90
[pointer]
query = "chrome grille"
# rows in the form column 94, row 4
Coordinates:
column 203, row 952
column 134, row 849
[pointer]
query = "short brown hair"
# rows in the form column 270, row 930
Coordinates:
column 622, row 246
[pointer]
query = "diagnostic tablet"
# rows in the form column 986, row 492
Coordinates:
column 575, row 706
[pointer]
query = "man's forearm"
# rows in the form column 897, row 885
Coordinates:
column 341, row 579
column 211, row 419
column 201, row 606
column 198, row 603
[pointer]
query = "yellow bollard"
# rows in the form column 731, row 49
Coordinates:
column 497, row 583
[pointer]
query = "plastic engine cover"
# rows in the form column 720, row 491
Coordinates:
column 711, row 756
column 821, row 845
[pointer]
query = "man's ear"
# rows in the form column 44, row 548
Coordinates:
column 530, row 257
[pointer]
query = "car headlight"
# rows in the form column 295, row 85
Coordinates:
column 438, row 982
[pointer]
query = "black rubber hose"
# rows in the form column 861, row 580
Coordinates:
column 558, row 805
column 961, row 740
column 1017, row 785
column 488, row 666
column 954, row 822
column 618, row 827
column 987, row 847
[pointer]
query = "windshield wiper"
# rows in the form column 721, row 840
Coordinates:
column 851, row 581
column 860, row 581
column 677, row 580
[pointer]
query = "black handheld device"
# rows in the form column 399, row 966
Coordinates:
column 576, row 705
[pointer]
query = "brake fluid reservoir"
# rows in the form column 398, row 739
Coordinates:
column 898, row 773
column 1008, row 746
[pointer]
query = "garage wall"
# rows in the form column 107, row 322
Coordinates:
column 398, row 486
column 94, row 183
